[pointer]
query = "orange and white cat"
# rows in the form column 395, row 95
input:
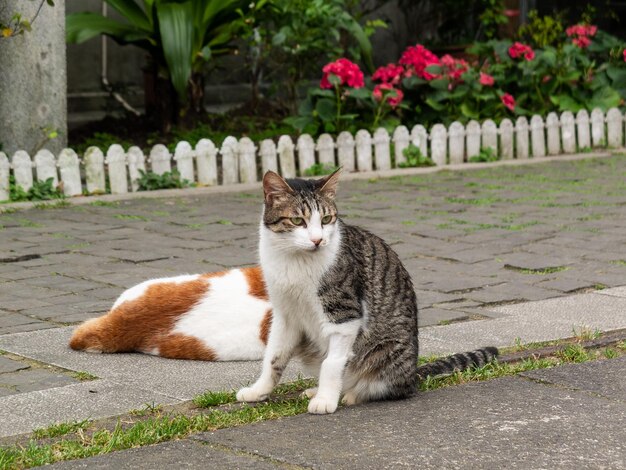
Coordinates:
column 222, row 316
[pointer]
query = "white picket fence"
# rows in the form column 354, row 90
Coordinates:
column 241, row 160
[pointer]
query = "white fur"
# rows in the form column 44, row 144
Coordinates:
column 227, row 319
column 293, row 268
column 140, row 289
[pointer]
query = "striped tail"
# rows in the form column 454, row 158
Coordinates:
column 457, row 362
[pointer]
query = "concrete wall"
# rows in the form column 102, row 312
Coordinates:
column 33, row 79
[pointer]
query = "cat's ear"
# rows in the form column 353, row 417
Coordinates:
column 275, row 187
column 328, row 184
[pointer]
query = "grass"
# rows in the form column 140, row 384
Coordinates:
column 84, row 376
column 130, row 217
column 104, row 203
column 217, row 410
column 540, row 271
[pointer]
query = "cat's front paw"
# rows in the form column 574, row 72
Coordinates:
column 250, row 395
column 322, row 406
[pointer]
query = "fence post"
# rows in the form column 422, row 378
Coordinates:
column 614, row 128
column 160, row 159
column 306, row 152
column 326, row 150
column 490, row 135
column 537, row 136
column 419, row 138
column 364, row 150
column 382, row 152
column 206, row 161
column 582, row 126
column 401, row 141
column 46, row 167
column 456, row 136
column 116, row 161
column 136, row 162
column 269, row 160
column 183, row 156
column 554, row 134
column 5, row 168
column 506, row 139
column 438, row 144
column 597, row 128
column 521, row 138
column 230, row 162
column 345, row 151
column 94, row 170
column 568, row 132
column 247, row 160
column 286, row 157
column 472, row 131
column 70, row 173
column 22, row 170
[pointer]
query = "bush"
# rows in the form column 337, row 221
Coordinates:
column 150, row 181
column 583, row 68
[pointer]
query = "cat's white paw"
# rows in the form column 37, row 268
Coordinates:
column 310, row 392
column 250, row 395
column 322, row 406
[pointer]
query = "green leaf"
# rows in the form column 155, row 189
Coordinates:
column 132, row 13
column 435, row 105
column 326, row 109
column 355, row 29
column 617, row 76
column 469, row 111
column 176, row 26
column 80, row 27
column 566, row 103
column 605, row 98
column 360, row 93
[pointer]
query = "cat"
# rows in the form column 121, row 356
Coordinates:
column 342, row 301
column 223, row 316
column 227, row 316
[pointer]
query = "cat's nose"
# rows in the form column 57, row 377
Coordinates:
column 317, row 241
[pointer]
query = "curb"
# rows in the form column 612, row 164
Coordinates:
column 243, row 187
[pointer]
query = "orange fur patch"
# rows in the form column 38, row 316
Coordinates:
column 266, row 324
column 254, row 276
column 179, row 346
column 145, row 323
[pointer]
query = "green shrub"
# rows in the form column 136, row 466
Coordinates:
column 39, row 191
column 150, row 181
column 414, row 158
column 319, row 169
column 486, row 154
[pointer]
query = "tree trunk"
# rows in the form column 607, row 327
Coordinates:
column 159, row 99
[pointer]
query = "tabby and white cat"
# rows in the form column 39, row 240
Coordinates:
column 341, row 300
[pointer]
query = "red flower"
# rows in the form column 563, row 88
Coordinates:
column 486, row 79
column 624, row 54
column 546, row 78
column 416, row 59
column 581, row 41
column 348, row 72
column 453, row 68
column 508, row 101
column 394, row 95
column 518, row 50
column 581, row 30
column 391, row 73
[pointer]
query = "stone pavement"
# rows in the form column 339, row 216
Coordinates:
column 478, row 243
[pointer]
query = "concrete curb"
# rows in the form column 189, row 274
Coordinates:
column 243, row 187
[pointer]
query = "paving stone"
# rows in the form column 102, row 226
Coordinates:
column 501, row 423
column 11, row 365
column 437, row 316
column 176, row 454
column 605, row 378
column 35, row 379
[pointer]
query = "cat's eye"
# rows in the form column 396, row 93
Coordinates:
column 327, row 219
column 297, row 220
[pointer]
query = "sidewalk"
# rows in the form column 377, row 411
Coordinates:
column 530, row 252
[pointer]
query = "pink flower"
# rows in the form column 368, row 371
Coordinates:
column 581, row 30
column 348, row 72
column 546, row 78
column 453, row 68
column 518, row 50
column 394, row 95
column 415, row 60
column 624, row 55
column 391, row 73
column 581, row 41
column 486, row 79
column 508, row 101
